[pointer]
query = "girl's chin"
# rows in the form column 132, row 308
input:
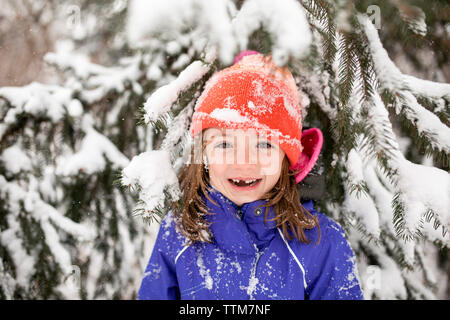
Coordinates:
column 240, row 200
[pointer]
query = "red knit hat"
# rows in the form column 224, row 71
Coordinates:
column 256, row 94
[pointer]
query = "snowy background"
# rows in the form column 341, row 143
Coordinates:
column 95, row 105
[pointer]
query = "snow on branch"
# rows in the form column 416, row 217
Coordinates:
column 222, row 25
column 421, row 189
column 413, row 16
column 426, row 122
column 160, row 102
column 98, row 80
column 44, row 213
column 391, row 77
column 178, row 138
column 78, row 64
column 90, row 158
column 203, row 19
column 42, row 210
column 407, row 89
column 286, row 22
column 392, row 282
column 24, row 262
column 416, row 189
column 383, row 142
column 358, row 200
column 36, row 99
column 152, row 174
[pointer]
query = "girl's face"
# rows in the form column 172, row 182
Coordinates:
column 243, row 166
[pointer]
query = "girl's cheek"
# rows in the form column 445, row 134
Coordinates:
column 270, row 163
column 217, row 171
column 220, row 156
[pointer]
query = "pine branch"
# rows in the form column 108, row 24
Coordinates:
column 350, row 221
column 431, row 135
column 322, row 12
column 157, row 213
column 347, row 68
column 358, row 189
column 366, row 72
column 403, row 98
column 378, row 140
column 413, row 16
column 166, row 102
column 343, row 130
column 399, row 219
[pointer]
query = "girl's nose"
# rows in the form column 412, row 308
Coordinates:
column 245, row 154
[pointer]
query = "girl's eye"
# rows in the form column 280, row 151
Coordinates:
column 223, row 145
column 265, row 145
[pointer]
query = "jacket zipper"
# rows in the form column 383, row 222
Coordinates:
column 253, row 281
column 239, row 214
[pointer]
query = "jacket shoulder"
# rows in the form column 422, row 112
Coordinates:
column 331, row 263
column 327, row 244
column 328, row 227
column 170, row 240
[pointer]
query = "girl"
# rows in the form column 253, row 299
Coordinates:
column 242, row 232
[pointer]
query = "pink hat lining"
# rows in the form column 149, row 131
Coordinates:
column 312, row 141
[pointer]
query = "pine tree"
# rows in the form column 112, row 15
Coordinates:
column 66, row 231
column 393, row 208
column 82, row 161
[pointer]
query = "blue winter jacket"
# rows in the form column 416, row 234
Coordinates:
column 250, row 260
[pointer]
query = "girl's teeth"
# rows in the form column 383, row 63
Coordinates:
column 243, row 183
column 246, row 181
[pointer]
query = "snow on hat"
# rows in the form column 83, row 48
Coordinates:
column 256, row 94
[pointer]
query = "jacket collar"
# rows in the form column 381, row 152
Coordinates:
column 239, row 228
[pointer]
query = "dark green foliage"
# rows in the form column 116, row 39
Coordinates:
column 261, row 41
column 325, row 13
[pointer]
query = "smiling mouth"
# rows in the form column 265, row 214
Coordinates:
column 244, row 183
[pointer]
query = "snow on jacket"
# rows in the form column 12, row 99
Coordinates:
column 250, row 260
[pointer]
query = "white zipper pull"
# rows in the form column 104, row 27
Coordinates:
column 253, row 281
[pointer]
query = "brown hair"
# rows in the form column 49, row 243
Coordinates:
column 290, row 215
